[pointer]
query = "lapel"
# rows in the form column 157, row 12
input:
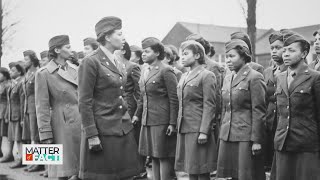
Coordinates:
column 301, row 77
column 155, row 70
column 241, row 75
column 193, row 75
column 66, row 75
column 283, row 82
column 106, row 62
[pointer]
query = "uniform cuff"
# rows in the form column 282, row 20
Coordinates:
column 45, row 135
column 91, row 131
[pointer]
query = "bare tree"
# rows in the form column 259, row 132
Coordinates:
column 7, row 29
column 249, row 11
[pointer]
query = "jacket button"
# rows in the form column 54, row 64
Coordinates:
column 120, row 97
column 120, row 107
column 288, row 117
column 274, row 111
column 121, row 87
column 287, row 127
column 120, row 77
column 153, row 82
column 229, row 104
column 301, row 91
column 287, row 107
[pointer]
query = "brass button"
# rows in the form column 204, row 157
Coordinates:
column 121, row 87
column 120, row 107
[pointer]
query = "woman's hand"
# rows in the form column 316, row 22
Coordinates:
column 95, row 144
column 203, row 138
column 135, row 120
column 170, row 130
column 47, row 141
column 256, row 148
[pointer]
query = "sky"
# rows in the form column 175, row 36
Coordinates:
column 40, row 20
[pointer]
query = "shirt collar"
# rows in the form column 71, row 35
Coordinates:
column 107, row 53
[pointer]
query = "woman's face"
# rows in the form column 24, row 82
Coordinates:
column 134, row 58
column 292, row 54
column 149, row 56
column 2, row 77
column 188, row 58
column 276, row 51
column 234, row 61
column 87, row 49
column 14, row 73
column 65, row 52
column 317, row 44
column 28, row 62
column 116, row 39
column 44, row 61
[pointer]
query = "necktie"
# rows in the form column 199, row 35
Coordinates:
column 317, row 65
column 291, row 78
column 277, row 71
column 146, row 73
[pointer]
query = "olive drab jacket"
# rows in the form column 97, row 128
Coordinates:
column 244, row 106
column 298, row 112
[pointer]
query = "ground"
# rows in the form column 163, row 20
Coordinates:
column 18, row 174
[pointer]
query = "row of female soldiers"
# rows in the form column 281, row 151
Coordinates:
column 202, row 121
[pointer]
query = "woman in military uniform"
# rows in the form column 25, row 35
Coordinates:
column 157, row 110
column 243, row 117
column 108, row 148
column 16, row 107
column 196, row 146
column 6, row 146
column 57, row 107
column 296, row 140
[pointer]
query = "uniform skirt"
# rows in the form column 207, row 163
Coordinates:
column 14, row 131
column 3, row 128
column 155, row 143
column 194, row 158
column 119, row 158
column 30, row 128
column 296, row 166
column 235, row 160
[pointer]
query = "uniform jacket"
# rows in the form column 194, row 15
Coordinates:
column 158, row 104
column 244, row 106
column 101, row 96
column 298, row 111
column 58, row 114
column 313, row 64
column 257, row 67
column 270, row 80
column 178, row 73
column 15, row 97
column 132, row 89
column 197, row 101
column 3, row 99
column 56, row 100
column 219, row 72
column 29, row 91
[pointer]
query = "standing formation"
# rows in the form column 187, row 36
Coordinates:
column 117, row 108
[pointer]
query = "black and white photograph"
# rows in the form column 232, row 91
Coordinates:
column 159, row 90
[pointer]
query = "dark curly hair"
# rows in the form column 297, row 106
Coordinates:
column 305, row 46
column 52, row 53
column 34, row 59
column 244, row 53
column 126, row 48
column 19, row 68
column 212, row 51
column 138, row 53
column 158, row 48
column 206, row 45
column 102, row 39
column 5, row 72
column 196, row 50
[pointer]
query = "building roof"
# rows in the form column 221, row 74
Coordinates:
column 305, row 31
column 214, row 33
